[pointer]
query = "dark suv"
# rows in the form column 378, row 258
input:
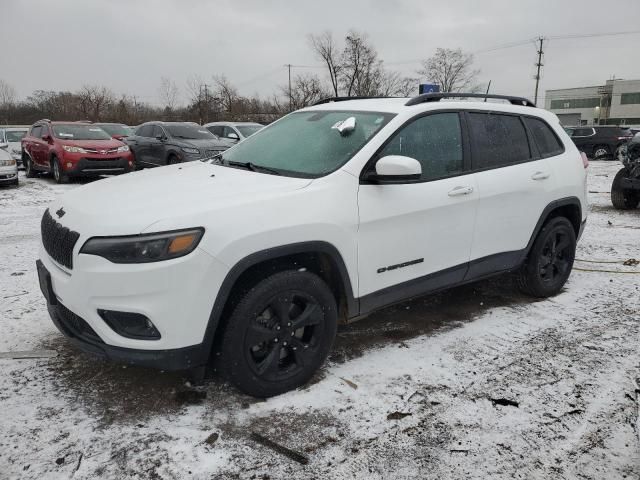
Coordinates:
column 601, row 142
column 69, row 149
column 625, row 190
column 166, row 143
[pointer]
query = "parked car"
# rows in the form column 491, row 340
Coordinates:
column 118, row 131
column 625, row 189
column 70, row 149
column 235, row 131
column 11, row 136
column 8, row 167
column 165, row 143
column 601, row 142
column 328, row 214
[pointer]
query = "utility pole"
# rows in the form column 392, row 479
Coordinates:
column 539, row 65
column 288, row 65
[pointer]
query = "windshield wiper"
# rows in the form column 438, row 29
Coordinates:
column 252, row 167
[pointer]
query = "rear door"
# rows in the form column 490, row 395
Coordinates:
column 409, row 231
column 142, row 143
column 515, row 184
column 158, row 146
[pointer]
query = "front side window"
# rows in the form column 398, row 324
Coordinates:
column 499, row 140
column 309, row 144
column 145, row 131
column 546, row 141
column 435, row 141
column 79, row 132
column 36, row 131
column 189, row 132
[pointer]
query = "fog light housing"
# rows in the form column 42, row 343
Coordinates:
column 69, row 164
column 130, row 325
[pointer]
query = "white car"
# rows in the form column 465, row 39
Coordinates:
column 250, row 261
column 8, row 167
column 12, row 137
column 236, row 131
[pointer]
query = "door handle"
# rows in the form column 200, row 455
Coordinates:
column 540, row 176
column 460, row 191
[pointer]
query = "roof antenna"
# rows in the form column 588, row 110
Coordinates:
column 488, row 87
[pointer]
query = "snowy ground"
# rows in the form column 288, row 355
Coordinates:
column 478, row 382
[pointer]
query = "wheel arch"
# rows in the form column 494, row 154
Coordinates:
column 319, row 257
column 568, row 207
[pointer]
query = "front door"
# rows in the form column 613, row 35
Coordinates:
column 417, row 236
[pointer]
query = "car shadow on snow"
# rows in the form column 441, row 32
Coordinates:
column 114, row 393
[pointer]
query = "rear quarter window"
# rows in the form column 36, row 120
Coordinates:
column 545, row 138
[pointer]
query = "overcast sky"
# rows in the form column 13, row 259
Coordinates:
column 128, row 45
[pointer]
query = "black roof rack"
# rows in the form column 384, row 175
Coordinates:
column 436, row 97
column 44, row 120
column 344, row 99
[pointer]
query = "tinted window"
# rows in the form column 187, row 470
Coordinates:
column 216, row 130
column 36, row 131
column 44, row 131
column 157, row 131
column 248, row 130
column 546, row 141
column 145, row 131
column 188, row 131
column 582, row 132
column 435, row 141
column 499, row 140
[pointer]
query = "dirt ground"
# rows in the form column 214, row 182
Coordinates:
column 475, row 382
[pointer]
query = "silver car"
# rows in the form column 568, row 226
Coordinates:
column 234, row 131
column 8, row 167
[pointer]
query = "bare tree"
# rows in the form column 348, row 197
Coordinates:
column 325, row 49
column 168, row 93
column 305, row 91
column 360, row 65
column 8, row 94
column 226, row 93
column 451, row 69
column 94, row 100
column 392, row 84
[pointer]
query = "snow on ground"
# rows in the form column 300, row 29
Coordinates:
column 477, row 382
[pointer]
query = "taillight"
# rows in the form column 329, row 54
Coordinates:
column 585, row 160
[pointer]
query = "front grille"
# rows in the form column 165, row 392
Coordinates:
column 75, row 325
column 58, row 240
column 103, row 151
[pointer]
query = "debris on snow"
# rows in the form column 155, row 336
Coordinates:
column 282, row 450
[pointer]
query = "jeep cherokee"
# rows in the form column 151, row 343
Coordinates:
column 249, row 261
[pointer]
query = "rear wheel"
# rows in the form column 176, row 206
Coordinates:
column 550, row 260
column 58, row 174
column 28, row 166
column 600, row 152
column 623, row 199
column 279, row 334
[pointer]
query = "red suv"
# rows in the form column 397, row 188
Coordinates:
column 68, row 149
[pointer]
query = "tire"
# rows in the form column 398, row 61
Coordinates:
column 28, row 166
column 549, row 262
column 58, row 174
column 262, row 353
column 16, row 183
column 172, row 160
column 601, row 152
column 623, row 199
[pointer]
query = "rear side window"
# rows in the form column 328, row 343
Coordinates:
column 435, row 141
column 499, row 140
column 583, row 132
column 546, row 141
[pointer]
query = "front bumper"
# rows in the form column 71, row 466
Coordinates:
column 95, row 166
column 8, row 174
column 176, row 295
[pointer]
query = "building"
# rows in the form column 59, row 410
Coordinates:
column 615, row 103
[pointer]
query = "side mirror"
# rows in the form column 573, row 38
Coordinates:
column 233, row 136
column 160, row 137
column 396, row 168
column 46, row 138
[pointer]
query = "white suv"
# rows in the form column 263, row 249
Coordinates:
column 248, row 262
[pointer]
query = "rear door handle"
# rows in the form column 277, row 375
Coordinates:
column 540, row 176
column 460, row 191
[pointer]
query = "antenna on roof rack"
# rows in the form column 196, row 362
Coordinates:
column 436, row 97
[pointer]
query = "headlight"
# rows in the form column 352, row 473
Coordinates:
column 7, row 163
column 144, row 248
column 193, row 151
column 70, row 149
column 124, row 148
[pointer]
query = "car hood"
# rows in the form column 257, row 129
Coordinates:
column 97, row 144
column 14, row 146
column 133, row 203
column 205, row 143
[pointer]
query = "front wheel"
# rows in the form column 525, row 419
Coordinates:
column 622, row 198
column 279, row 334
column 28, row 166
column 58, row 174
column 600, row 152
column 550, row 259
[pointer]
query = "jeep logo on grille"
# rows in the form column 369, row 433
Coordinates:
column 60, row 213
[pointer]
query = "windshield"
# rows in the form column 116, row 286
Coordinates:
column 15, row 135
column 190, row 132
column 80, row 132
column 248, row 130
column 116, row 129
column 305, row 144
